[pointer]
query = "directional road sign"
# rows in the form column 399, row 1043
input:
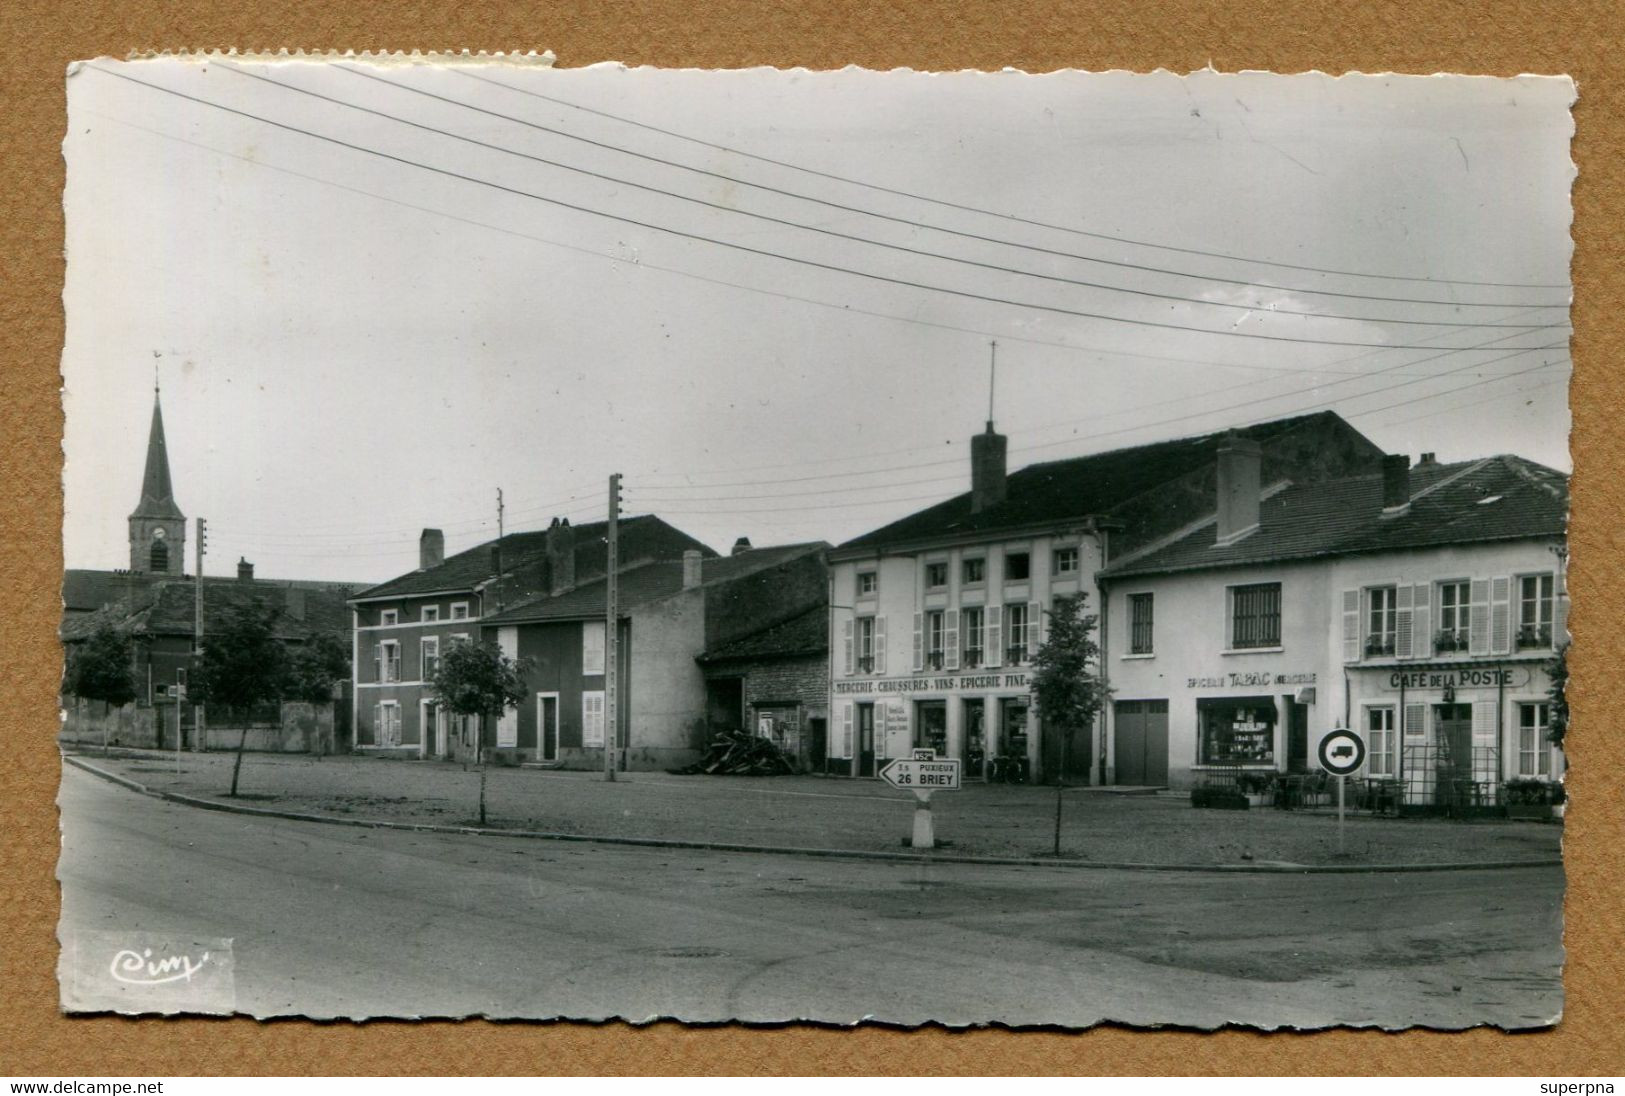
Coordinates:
column 1341, row 752
column 912, row 775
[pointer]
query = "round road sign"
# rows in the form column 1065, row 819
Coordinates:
column 1341, row 752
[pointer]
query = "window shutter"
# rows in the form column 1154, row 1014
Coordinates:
column 1484, row 723
column 1421, row 621
column 880, row 644
column 1035, row 617
column 1501, row 615
column 1404, row 622
column 919, row 642
column 846, row 729
column 993, row 633
column 1230, row 621
column 846, row 646
column 950, row 639
column 1415, row 721
column 1478, row 625
column 1351, row 625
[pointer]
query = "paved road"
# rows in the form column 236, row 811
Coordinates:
column 332, row 921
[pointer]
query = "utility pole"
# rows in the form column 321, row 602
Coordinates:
column 197, row 636
column 612, row 676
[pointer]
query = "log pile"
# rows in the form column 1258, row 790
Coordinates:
column 738, row 752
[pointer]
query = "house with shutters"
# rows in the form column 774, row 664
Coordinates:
column 1419, row 606
column 935, row 618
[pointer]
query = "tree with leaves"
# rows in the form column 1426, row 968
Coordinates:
column 102, row 667
column 244, row 663
column 315, row 667
column 1066, row 682
column 477, row 679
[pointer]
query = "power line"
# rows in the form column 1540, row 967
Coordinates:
column 699, row 237
column 1475, row 403
column 1024, row 220
column 611, row 147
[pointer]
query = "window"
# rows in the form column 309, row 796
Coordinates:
column 389, row 617
column 1534, row 747
column 866, row 645
column 458, row 640
column 973, row 571
column 1237, row 732
column 1455, row 615
column 1015, row 617
column 592, row 647
column 431, row 657
column 158, row 559
column 936, row 637
column 868, row 583
column 1140, row 624
column 1255, row 615
column 1382, row 621
column 592, row 719
column 1066, row 561
column 430, row 614
column 936, row 576
column 1379, row 740
column 389, row 661
column 1534, row 612
column 970, row 627
column 1018, row 566
column 388, row 718
column 459, row 610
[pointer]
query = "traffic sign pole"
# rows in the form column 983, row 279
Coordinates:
column 1341, row 752
column 1340, row 779
column 925, row 834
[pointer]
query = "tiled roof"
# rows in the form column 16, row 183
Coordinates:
column 640, row 537
column 649, row 582
column 84, row 590
column 1498, row 498
column 806, row 633
column 166, row 607
column 1079, row 486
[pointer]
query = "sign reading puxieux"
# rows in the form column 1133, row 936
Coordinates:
column 933, row 684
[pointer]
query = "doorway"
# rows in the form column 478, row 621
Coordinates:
column 866, row 740
column 1140, row 742
column 974, row 744
column 931, row 726
column 1297, row 735
column 547, row 726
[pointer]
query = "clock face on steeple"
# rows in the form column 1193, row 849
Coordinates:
column 159, row 534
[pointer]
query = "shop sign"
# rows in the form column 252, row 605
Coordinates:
column 1250, row 679
column 933, row 684
column 1468, row 677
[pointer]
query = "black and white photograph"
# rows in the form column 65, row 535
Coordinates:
column 851, row 547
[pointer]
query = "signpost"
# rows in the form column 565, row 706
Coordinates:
column 1341, row 752
column 922, row 774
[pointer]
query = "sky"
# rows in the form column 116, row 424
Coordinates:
column 375, row 295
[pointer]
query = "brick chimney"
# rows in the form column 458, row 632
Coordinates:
column 987, row 469
column 1239, row 485
column 741, row 545
column 1396, row 484
column 561, row 556
column 691, row 568
column 431, row 549
column 245, row 570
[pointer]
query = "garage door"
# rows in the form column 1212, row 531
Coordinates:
column 1140, row 738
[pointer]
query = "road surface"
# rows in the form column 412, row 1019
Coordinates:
column 336, row 921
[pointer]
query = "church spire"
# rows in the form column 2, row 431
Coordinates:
column 157, row 526
column 157, row 493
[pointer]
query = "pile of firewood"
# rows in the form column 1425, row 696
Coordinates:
column 738, row 752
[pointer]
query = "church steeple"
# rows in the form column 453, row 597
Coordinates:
column 157, row 526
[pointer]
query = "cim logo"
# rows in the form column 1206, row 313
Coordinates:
column 141, row 969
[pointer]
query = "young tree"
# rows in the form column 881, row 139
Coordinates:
column 477, row 679
column 1067, row 686
column 243, row 664
column 102, row 667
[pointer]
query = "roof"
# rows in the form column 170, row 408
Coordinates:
column 84, row 590
column 639, row 537
column 806, row 633
column 1078, row 487
column 1498, row 498
column 167, row 607
column 648, row 582
column 157, row 493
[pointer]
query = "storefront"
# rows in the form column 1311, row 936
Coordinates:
column 985, row 720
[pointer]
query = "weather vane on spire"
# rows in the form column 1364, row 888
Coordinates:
column 157, row 355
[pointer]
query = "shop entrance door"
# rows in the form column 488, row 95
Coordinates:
column 1140, row 739
column 931, row 726
column 974, row 752
column 866, row 740
column 1013, row 764
column 1297, row 736
column 1453, row 765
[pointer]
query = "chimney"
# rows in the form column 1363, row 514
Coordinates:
column 1396, row 484
column 691, row 569
column 1238, row 475
column 741, row 545
column 1427, row 458
column 561, row 556
column 987, row 469
column 431, row 549
column 245, row 570
column 496, row 558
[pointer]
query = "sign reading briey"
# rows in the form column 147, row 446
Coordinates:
column 1464, row 677
column 932, row 684
column 912, row 775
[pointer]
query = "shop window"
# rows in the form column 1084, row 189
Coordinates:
column 592, row 647
column 1455, row 616
column 1534, row 612
column 1382, row 621
column 1140, row 607
column 1255, row 615
column 970, row 628
column 1018, row 566
column 868, row 583
column 1534, row 748
column 936, row 638
column 866, row 645
column 1379, row 740
column 1238, row 731
column 1065, row 561
column 1015, row 652
column 429, row 614
column 973, row 571
column 936, row 576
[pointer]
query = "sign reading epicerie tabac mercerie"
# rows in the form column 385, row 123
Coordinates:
column 918, row 775
column 1341, row 752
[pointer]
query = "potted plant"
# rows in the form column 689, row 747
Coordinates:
column 1531, row 798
